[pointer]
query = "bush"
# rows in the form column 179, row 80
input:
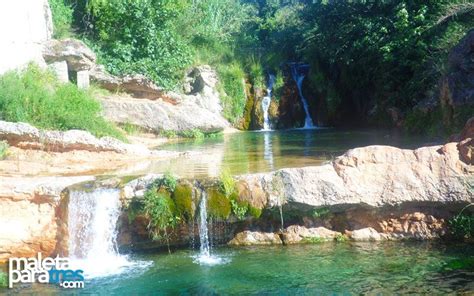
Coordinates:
column 3, row 280
column 255, row 212
column 461, row 226
column 3, row 150
column 233, row 96
column 62, row 18
column 36, row 97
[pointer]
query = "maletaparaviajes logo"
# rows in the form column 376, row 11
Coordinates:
column 44, row 270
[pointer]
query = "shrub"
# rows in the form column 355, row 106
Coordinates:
column 461, row 226
column 160, row 210
column 62, row 18
column 340, row 238
column 255, row 212
column 239, row 208
column 36, row 97
column 233, row 98
column 3, row 150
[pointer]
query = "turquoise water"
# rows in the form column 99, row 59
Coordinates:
column 251, row 152
column 321, row 269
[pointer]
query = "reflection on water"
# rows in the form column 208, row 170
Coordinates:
column 250, row 152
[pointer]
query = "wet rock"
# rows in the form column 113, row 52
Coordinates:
column 248, row 238
column 297, row 234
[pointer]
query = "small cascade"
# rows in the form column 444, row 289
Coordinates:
column 92, row 225
column 266, row 103
column 205, row 256
column 298, row 72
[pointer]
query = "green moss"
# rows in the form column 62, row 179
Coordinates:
column 255, row 212
column 218, row 205
column 321, row 213
column 226, row 183
column 183, row 198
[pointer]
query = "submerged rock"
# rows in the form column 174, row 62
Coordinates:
column 247, row 238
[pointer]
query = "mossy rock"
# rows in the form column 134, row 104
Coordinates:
column 183, row 198
column 218, row 205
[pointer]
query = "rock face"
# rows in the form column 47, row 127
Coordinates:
column 247, row 238
column 457, row 87
column 25, row 25
column 27, row 136
column 30, row 217
column 367, row 234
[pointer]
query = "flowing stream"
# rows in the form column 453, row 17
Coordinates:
column 266, row 103
column 92, row 224
column 298, row 72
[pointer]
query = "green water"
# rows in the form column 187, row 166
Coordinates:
column 251, row 152
column 321, row 269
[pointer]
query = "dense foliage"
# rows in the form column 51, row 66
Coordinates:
column 36, row 96
column 365, row 56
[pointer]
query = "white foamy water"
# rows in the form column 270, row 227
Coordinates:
column 298, row 71
column 92, row 224
column 205, row 257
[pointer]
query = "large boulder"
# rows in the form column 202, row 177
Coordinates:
column 25, row 25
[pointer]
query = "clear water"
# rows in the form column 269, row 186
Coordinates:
column 262, row 151
column 322, row 269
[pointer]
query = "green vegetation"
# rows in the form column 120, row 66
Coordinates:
column 255, row 212
column 183, row 198
column 3, row 149
column 3, row 280
column 36, row 97
column 218, row 205
column 160, row 210
column 341, row 238
column 321, row 213
column 239, row 208
column 62, row 18
column 461, row 226
column 314, row 240
column 226, row 182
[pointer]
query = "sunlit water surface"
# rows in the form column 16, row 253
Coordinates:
column 251, row 152
column 327, row 269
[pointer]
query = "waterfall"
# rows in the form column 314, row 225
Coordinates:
column 266, row 102
column 205, row 256
column 298, row 71
column 203, row 230
column 92, row 226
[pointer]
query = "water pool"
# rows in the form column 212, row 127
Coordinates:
column 325, row 269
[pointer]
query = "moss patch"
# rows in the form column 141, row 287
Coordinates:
column 255, row 212
column 183, row 198
column 218, row 205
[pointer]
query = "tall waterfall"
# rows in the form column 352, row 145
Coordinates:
column 92, row 224
column 299, row 71
column 266, row 102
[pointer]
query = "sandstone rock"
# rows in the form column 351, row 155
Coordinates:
column 24, row 135
column 367, row 234
column 376, row 176
column 158, row 115
column 296, row 234
column 30, row 215
column 137, row 85
column 466, row 151
column 248, row 238
column 77, row 55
